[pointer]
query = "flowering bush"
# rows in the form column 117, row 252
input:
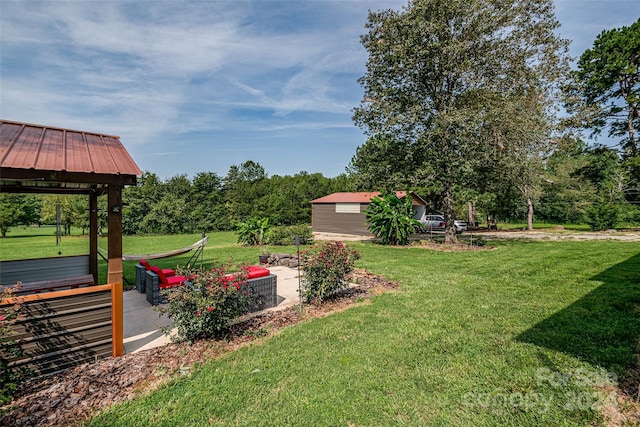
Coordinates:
column 325, row 267
column 205, row 308
column 9, row 348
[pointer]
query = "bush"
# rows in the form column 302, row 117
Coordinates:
column 205, row 308
column 253, row 231
column 325, row 267
column 603, row 215
column 391, row 219
column 9, row 348
column 286, row 235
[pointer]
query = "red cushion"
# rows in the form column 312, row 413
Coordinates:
column 173, row 281
column 253, row 272
column 166, row 271
column 167, row 281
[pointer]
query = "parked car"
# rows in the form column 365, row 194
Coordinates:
column 460, row 225
column 432, row 223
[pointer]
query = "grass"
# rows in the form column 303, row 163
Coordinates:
column 40, row 242
column 523, row 335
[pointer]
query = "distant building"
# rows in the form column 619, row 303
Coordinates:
column 343, row 213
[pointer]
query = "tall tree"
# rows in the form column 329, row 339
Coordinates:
column 440, row 71
column 605, row 92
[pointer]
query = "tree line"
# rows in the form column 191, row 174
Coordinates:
column 179, row 204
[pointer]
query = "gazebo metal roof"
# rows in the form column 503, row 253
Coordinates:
column 36, row 158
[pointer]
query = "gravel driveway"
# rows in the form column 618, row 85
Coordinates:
column 549, row 234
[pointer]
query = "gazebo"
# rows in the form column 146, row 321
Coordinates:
column 44, row 159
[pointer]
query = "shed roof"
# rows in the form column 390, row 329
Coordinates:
column 363, row 197
column 38, row 154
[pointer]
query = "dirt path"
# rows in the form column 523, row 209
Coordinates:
column 547, row 234
column 627, row 236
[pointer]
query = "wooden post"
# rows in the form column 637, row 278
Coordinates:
column 114, row 273
column 93, row 235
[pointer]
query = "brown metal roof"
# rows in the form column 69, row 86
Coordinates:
column 45, row 153
column 362, row 197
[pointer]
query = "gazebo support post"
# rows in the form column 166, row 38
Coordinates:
column 114, row 272
column 93, row 235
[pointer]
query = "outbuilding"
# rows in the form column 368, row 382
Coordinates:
column 343, row 213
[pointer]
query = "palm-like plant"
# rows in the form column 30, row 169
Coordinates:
column 253, row 231
column 391, row 219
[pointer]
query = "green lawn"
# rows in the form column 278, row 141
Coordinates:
column 522, row 335
column 40, row 242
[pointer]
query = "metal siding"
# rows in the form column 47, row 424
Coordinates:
column 33, row 270
column 326, row 220
column 60, row 333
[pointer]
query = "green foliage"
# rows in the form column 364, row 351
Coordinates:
column 205, row 308
column 73, row 211
column 391, row 219
column 603, row 215
column 9, row 348
column 452, row 85
column 253, row 231
column 285, row 235
column 325, row 267
column 212, row 203
column 605, row 92
column 16, row 209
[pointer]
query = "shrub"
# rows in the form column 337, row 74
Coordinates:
column 286, row 235
column 603, row 215
column 325, row 267
column 205, row 308
column 9, row 348
column 252, row 232
column 391, row 219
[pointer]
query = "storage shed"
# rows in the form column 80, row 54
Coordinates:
column 343, row 213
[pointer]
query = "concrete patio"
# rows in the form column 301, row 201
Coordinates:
column 142, row 323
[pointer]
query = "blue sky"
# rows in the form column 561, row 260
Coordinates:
column 200, row 86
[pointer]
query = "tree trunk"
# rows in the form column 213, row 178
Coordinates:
column 471, row 217
column 449, row 216
column 529, row 214
column 635, row 170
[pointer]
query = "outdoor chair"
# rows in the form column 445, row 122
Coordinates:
column 166, row 271
column 167, row 282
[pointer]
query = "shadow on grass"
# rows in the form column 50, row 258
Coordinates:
column 603, row 327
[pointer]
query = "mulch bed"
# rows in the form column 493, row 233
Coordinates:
column 71, row 397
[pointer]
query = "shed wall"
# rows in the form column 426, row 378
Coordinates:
column 324, row 219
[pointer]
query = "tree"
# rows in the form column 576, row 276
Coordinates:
column 139, row 200
column 605, row 92
column 206, row 201
column 9, row 212
column 566, row 193
column 244, row 186
column 440, row 73
column 73, row 211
